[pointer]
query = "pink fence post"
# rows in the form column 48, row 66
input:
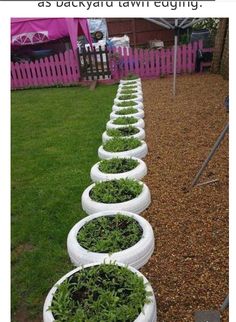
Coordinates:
column 126, row 64
column 68, row 67
column 53, row 69
column 49, row 74
column 189, row 57
column 168, row 63
column 184, row 62
column 19, row 76
column 147, row 62
column 131, row 60
column 58, row 69
column 136, row 62
column 157, row 61
column 34, row 77
column 141, row 62
column 152, row 63
column 163, row 63
column 14, row 80
column 121, row 63
column 63, row 69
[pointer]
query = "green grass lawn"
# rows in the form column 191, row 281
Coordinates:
column 55, row 136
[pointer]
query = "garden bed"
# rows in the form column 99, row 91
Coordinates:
column 189, row 268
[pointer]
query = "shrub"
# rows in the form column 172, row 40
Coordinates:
column 123, row 131
column 105, row 292
column 125, row 120
column 109, row 234
column 128, row 103
column 116, row 191
column 131, row 77
column 128, row 86
column 121, row 144
column 127, row 97
column 128, row 91
column 118, row 165
column 126, row 111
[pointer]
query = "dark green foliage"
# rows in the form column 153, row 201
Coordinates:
column 118, row 165
column 125, row 120
column 126, row 111
column 127, row 97
column 121, row 144
column 109, row 234
column 131, row 77
column 128, row 86
column 128, row 91
column 128, row 103
column 116, row 191
column 123, row 131
column 102, row 293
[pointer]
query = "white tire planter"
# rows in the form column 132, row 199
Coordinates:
column 135, row 256
column 138, row 85
column 127, row 81
column 140, row 135
column 138, row 98
column 140, row 152
column 148, row 313
column 138, row 105
column 137, row 91
column 139, row 114
column 137, row 173
column 136, row 205
column 139, row 123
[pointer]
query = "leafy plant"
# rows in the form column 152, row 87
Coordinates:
column 106, row 292
column 125, row 120
column 121, row 144
column 116, row 191
column 127, row 103
column 128, row 91
column 128, row 86
column 131, row 77
column 130, row 83
column 127, row 97
column 126, row 111
column 118, row 165
column 123, row 131
column 109, row 234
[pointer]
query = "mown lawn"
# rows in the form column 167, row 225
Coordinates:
column 55, row 136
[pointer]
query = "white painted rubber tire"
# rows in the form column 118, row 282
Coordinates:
column 140, row 152
column 137, row 91
column 139, row 114
column 135, row 256
column 136, row 205
column 148, row 313
column 138, row 98
column 139, row 123
column 126, row 86
column 138, row 105
column 140, row 135
column 126, row 81
column 137, row 173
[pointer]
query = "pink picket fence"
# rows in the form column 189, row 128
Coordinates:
column 59, row 69
column 149, row 63
column 64, row 68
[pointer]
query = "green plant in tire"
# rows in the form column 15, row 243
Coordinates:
column 109, row 234
column 116, row 191
column 128, row 91
column 128, row 86
column 131, row 77
column 127, row 97
column 125, row 120
column 123, row 131
column 102, row 293
column 121, row 144
column 127, row 103
column 126, row 111
column 118, row 165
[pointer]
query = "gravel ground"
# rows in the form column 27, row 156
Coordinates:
column 189, row 269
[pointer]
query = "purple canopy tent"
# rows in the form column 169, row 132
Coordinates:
column 30, row 31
